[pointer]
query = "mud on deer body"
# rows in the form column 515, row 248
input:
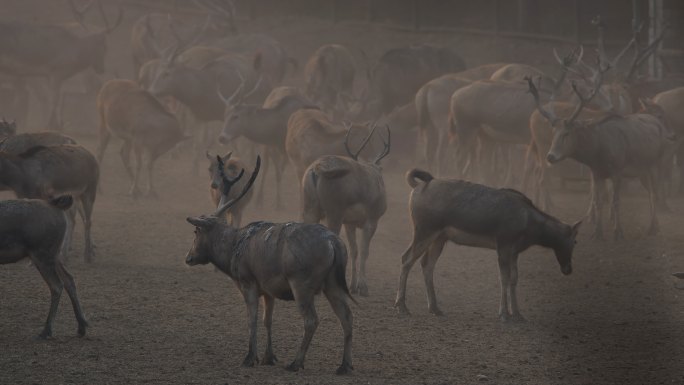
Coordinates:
column 480, row 216
column 350, row 192
column 288, row 261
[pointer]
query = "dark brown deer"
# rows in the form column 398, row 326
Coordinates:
column 475, row 215
column 287, row 261
column 329, row 72
column 35, row 229
column 351, row 192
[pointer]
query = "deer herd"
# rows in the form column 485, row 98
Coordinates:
column 472, row 122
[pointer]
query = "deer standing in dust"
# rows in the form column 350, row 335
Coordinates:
column 475, row 215
column 35, row 229
column 287, row 261
column 350, row 192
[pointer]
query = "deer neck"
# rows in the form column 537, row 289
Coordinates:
column 223, row 249
column 587, row 146
column 551, row 232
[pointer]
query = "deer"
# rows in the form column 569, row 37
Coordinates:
column 670, row 102
column 614, row 147
column 35, row 229
column 42, row 172
column 476, row 215
column 503, row 119
column 351, row 192
column 329, row 72
column 287, row 261
column 54, row 52
column 145, row 126
column 432, row 110
column 311, row 134
column 153, row 30
column 264, row 125
column 231, row 168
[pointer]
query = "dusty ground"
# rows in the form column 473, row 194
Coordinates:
column 616, row 320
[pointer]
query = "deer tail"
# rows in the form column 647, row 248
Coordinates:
column 419, row 174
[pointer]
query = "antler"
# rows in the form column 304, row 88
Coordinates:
column 549, row 115
column 574, row 57
column 348, row 126
column 641, row 56
column 119, row 18
column 232, row 100
column 223, row 207
column 79, row 14
column 598, row 79
column 386, row 149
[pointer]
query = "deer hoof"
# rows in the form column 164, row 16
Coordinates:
column 437, row 311
column 82, row 329
column 363, row 290
column 250, row 360
column 517, row 318
column 269, row 359
column 294, row 367
column 504, row 317
column 345, row 368
column 402, row 309
column 618, row 235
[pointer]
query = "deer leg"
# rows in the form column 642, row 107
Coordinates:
column 597, row 206
column 617, row 186
column 350, row 230
column 431, row 140
column 280, row 160
column 47, row 270
column 338, row 302
column 269, row 304
column 680, row 165
column 505, row 259
column 428, row 263
column 105, row 136
column 416, row 249
column 366, row 236
column 529, row 170
column 151, row 191
column 70, row 216
column 513, row 283
column 125, row 154
column 134, row 191
column 251, row 297
column 305, row 304
column 55, row 120
column 654, row 227
column 87, row 200
column 70, row 286
column 442, row 144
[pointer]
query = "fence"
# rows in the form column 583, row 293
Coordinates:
column 565, row 21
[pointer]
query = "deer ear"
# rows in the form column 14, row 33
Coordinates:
column 208, row 155
column 575, row 229
column 202, row 221
column 227, row 156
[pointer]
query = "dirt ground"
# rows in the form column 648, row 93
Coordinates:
column 618, row 319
